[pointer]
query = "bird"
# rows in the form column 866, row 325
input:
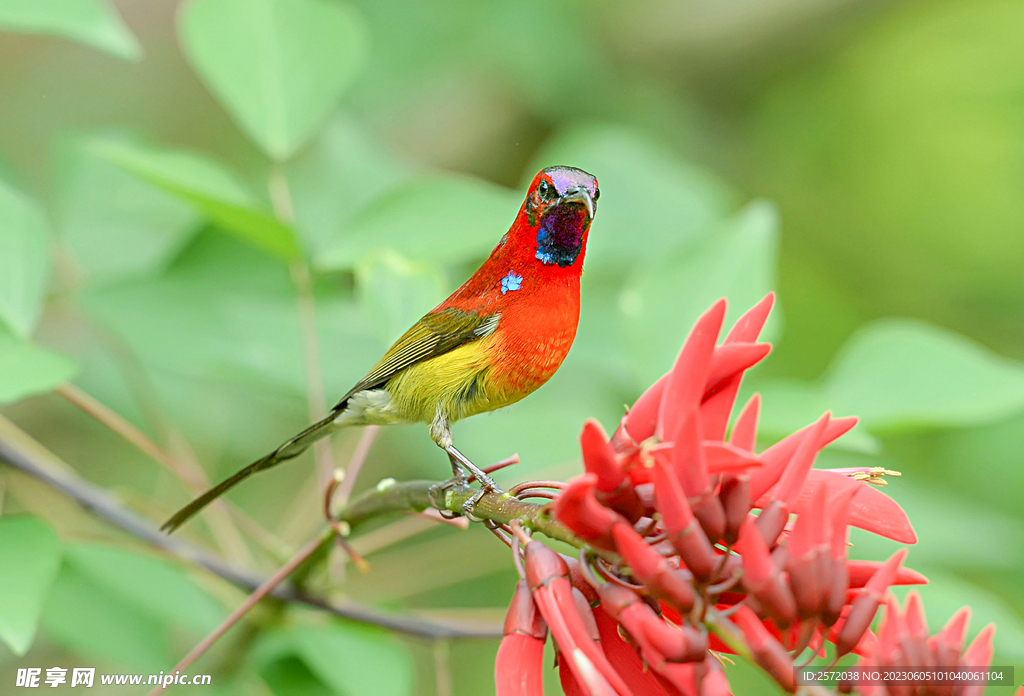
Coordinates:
column 494, row 341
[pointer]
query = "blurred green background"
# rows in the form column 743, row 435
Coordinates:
column 168, row 169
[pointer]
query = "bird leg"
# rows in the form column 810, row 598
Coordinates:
column 486, row 482
column 441, row 434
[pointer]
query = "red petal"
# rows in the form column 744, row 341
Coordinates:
column 979, row 654
column 914, row 617
column 686, row 382
column 809, row 526
column 886, row 575
column 768, row 653
column 717, row 407
column 955, row 631
column 688, row 456
column 778, row 455
column 744, row 432
column 721, row 457
column 519, row 666
column 890, row 630
column 870, row 510
column 624, row 657
column 687, row 537
column 715, row 684
column 640, row 421
column 522, row 616
column 579, row 510
column 861, row 572
column 548, row 577
column 792, row 479
column 599, row 458
column 595, row 682
column 730, row 360
column 748, row 327
column 757, row 560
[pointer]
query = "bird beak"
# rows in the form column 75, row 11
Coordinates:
column 579, row 195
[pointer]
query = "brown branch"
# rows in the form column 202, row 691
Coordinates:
column 25, row 454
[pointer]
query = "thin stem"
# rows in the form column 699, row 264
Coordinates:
column 727, row 632
column 221, row 525
column 356, row 461
column 192, row 478
column 281, row 200
column 442, row 667
column 262, row 591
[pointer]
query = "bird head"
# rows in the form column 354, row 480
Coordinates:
column 559, row 208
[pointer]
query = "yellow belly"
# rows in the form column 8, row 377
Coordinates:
column 456, row 384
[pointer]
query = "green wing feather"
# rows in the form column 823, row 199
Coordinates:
column 433, row 335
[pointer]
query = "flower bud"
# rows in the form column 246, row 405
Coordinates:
column 652, row 570
column 864, row 606
column 579, row 510
column 613, row 488
column 767, row 652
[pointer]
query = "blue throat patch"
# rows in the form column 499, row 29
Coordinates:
column 511, row 282
column 560, row 237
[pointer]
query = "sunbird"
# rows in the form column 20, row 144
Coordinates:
column 494, row 341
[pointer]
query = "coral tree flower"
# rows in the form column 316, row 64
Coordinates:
column 696, row 545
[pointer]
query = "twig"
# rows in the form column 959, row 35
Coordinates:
column 356, row 461
column 390, row 496
column 442, row 667
column 221, row 524
column 281, row 201
column 118, row 424
column 262, row 591
column 23, row 453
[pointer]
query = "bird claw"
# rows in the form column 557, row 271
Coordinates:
column 438, row 495
column 470, row 504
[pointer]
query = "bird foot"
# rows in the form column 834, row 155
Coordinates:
column 439, row 495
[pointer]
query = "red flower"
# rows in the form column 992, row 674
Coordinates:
column 518, row 669
column 688, row 531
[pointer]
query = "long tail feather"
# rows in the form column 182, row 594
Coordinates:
column 293, row 448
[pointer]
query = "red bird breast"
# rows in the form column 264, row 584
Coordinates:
column 532, row 278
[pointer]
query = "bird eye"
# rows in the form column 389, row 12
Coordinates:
column 545, row 190
column 597, row 193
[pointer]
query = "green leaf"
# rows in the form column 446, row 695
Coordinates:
column 94, row 622
column 665, row 296
column 31, row 554
column 788, row 405
column 904, row 374
column 447, row 219
column 338, row 174
column 209, row 187
column 396, row 292
column 155, row 587
column 91, row 22
column 26, row 369
column 113, row 223
column 226, row 313
column 278, row 66
column 24, row 261
column 349, row 658
column 651, row 202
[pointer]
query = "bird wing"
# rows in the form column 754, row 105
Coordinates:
column 435, row 334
